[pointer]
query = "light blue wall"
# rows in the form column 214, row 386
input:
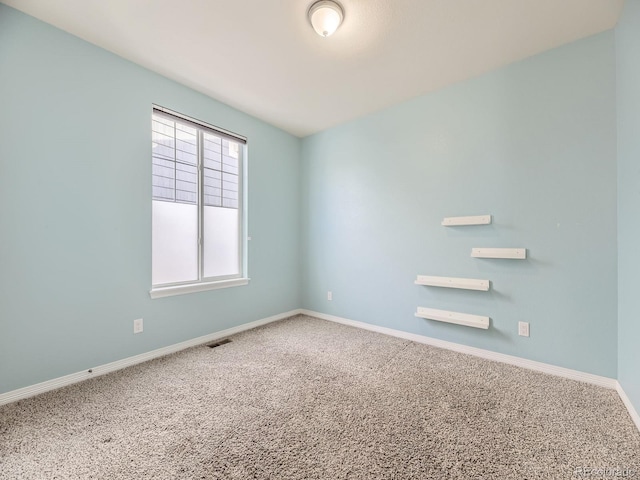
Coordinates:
column 628, row 91
column 75, row 215
column 533, row 144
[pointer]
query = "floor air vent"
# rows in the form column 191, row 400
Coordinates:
column 218, row 343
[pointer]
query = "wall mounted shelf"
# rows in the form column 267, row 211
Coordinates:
column 449, row 282
column 465, row 319
column 513, row 253
column 460, row 221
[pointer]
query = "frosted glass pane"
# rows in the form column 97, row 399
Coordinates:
column 220, row 242
column 174, row 243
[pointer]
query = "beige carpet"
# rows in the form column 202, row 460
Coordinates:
column 308, row 399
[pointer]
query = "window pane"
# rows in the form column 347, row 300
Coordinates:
column 186, row 183
column 175, row 161
column 174, row 242
column 163, row 158
column 221, row 253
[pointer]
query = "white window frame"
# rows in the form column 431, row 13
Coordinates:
column 210, row 283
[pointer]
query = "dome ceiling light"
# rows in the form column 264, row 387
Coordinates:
column 325, row 17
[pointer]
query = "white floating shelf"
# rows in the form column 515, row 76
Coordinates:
column 448, row 282
column 516, row 253
column 465, row 319
column 459, row 221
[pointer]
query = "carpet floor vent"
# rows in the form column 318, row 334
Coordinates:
column 218, row 343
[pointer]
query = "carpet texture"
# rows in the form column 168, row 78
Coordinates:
column 308, row 399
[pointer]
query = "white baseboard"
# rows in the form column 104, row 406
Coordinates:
column 55, row 383
column 627, row 403
column 606, row 382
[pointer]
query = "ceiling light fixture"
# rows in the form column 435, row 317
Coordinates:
column 325, row 17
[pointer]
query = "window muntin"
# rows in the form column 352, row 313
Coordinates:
column 197, row 185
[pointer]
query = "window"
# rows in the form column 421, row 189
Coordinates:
column 197, row 205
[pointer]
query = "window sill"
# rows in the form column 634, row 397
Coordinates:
column 160, row 292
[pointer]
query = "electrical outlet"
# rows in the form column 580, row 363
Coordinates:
column 137, row 325
column 329, row 296
column 523, row 329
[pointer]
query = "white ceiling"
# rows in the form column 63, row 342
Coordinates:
column 263, row 57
